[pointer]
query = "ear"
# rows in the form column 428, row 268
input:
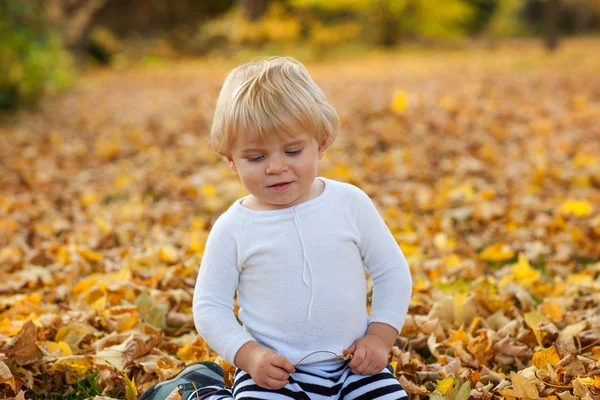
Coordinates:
column 231, row 163
column 323, row 145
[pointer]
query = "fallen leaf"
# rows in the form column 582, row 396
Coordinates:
column 549, row 355
column 523, row 387
column 23, row 348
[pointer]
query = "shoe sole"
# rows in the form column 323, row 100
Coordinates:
column 148, row 393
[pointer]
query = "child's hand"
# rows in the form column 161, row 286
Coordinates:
column 369, row 355
column 269, row 369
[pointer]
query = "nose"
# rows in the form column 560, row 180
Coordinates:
column 276, row 165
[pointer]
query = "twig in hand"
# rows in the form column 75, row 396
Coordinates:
column 337, row 357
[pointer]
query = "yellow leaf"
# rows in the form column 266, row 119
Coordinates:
column 209, row 190
column 523, row 387
column 548, row 355
column 90, row 255
column 88, row 198
column 589, row 381
column 27, row 304
column 193, row 352
column 542, row 126
column 577, row 208
column 597, row 381
column 130, row 389
column 74, row 368
column 83, row 286
column 444, row 385
column 441, row 241
column 62, row 256
column 342, row 172
column 61, row 347
column 497, row 252
column 11, row 255
column 533, row 319
column 197, row 241
column 123, row 180
column 103, row 224
column 399, row 102
column 73, row 334
column 582, row 278
column 448, row 103
column 583, row 160
column 460, row 336
column 168, row 254
column 552, row 309
column 198, row 223
column 523, row 273
column 99, row 305
column 106, row 148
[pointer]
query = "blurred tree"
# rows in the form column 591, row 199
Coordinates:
column 33, row 60
column 483, row 11
column 72, row 17
column 580, row 14
column 391, row 20
column 551, row 21
column 506, row 19
column 254, row 9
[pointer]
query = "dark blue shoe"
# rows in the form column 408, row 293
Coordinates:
column 390, row 368
column 194, row 379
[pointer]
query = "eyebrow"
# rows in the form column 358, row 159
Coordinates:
column 292, row 143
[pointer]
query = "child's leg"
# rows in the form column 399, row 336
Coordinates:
column 382, row 386
column 219, row 394
column 244, row 387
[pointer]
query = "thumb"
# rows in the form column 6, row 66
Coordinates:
column 350, row 349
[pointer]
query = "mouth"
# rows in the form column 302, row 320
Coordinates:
column 280, row 186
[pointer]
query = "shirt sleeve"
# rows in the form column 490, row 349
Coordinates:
column 386, row 264
column 214, row 292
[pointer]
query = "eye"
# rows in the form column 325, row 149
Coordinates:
column 293, row 152
column 255, row 158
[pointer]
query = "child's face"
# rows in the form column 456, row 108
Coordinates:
column 278, row 172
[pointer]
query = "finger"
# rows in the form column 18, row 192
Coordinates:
column 350, row 349
column 359, row 356
column 363, row 368
column 364, row 364
column 275, row 384
column 283, row 363
column 374, row 368
column 278, row 374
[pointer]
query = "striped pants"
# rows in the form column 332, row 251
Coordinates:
column 322, row 382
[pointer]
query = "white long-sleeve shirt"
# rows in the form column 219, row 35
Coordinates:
column 299, row 274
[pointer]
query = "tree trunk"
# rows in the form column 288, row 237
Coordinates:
column 551, row 22
column 254, row 9
column 583, row 16
column 72, row 20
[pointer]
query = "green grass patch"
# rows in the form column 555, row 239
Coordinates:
column 85, row 388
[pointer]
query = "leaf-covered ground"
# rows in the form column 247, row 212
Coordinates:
column 485, row 164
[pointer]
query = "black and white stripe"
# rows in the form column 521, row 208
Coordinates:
column 317, row 383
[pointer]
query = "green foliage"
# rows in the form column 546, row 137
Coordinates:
column 86, row 388
column 32, row 58
column 506, row 21
column 390, row 20
column 325, row 26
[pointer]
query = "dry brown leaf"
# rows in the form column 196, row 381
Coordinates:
column 23, row 347
column 6, row 377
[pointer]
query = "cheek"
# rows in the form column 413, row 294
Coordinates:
column 250, row 174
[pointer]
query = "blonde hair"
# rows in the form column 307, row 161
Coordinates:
column 271, row 96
